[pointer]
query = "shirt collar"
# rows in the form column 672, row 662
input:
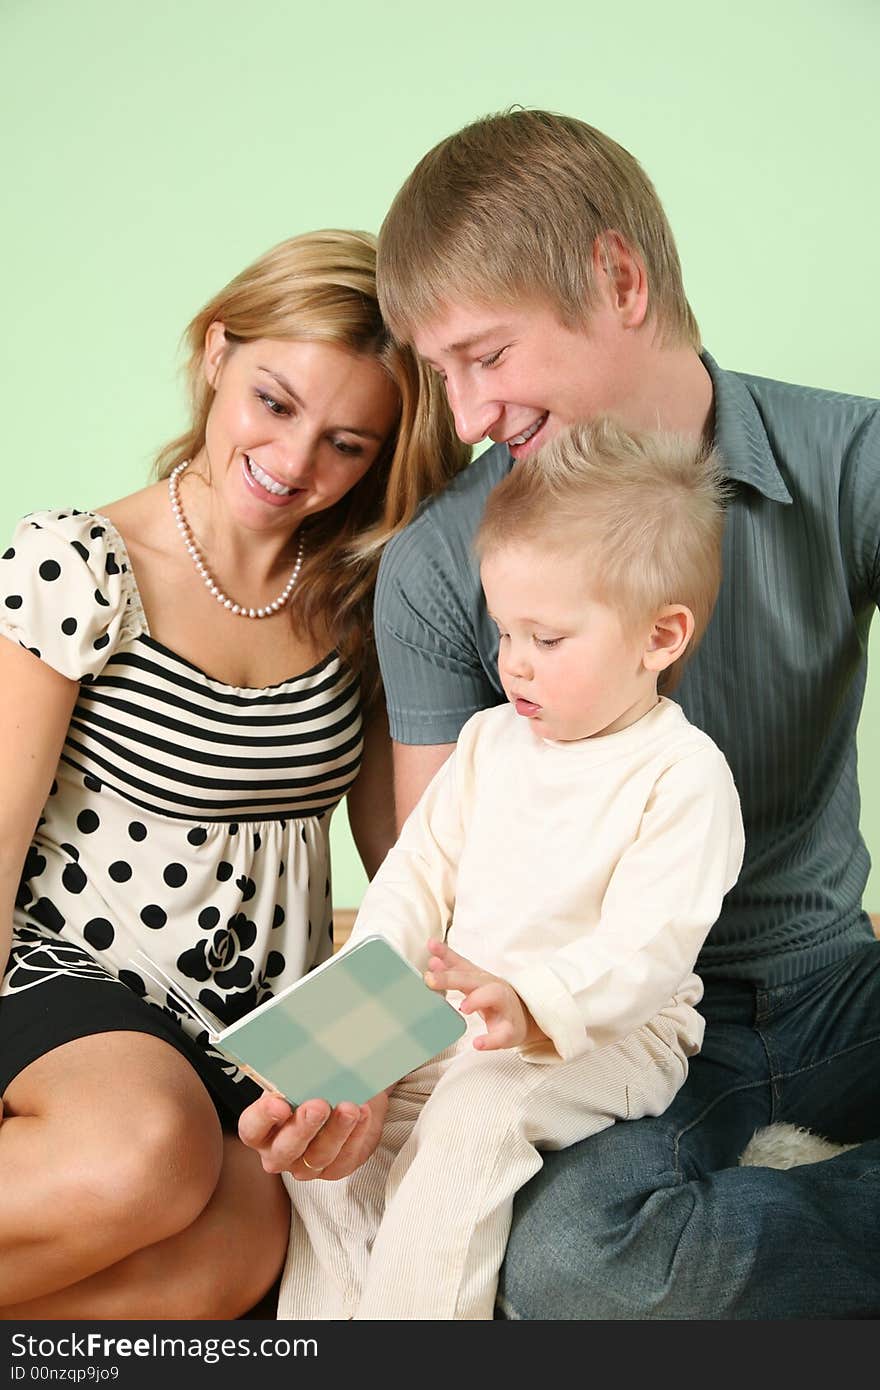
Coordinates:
column 741, row 436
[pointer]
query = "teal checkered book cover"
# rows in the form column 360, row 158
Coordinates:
column 351, row 1027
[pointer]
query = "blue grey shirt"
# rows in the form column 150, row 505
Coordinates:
column 777, row 681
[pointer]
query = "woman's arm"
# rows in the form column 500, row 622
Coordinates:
column 34, row 718
column 371, row 799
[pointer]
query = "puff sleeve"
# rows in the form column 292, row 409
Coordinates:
column 67, row 592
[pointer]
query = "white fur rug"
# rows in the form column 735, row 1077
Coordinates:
column 787, row 1146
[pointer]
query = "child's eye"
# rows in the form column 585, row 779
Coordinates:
column 276, row 407
column 547, row 641
column 494, row 357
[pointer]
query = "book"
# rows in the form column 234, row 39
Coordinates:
column 353, row 1026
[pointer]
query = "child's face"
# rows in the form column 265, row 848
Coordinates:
column 568, row 663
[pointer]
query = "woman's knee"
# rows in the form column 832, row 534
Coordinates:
column 154, row 1169
column 119, row 1157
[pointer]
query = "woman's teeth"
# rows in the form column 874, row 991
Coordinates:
column 527, row 434
column 266, row 481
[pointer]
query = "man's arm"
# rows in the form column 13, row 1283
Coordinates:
column 414, row 766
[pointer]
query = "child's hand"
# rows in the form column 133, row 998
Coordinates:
column 508, row 1021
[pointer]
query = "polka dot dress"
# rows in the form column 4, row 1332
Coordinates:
column 188, row 818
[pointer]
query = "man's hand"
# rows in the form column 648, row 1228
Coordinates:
column 312, row 1141
column 508, row 1021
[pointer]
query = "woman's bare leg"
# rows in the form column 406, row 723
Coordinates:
column 219, row 1267
column 111, row 1146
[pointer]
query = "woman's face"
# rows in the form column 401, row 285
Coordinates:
column 292, row 427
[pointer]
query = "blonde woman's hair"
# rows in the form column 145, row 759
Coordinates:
column 646, row 510
column 511, row 207
column 321, row 286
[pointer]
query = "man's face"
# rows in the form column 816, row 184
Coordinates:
column 519, row 375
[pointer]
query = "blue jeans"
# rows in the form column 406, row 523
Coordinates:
column 653, row 1218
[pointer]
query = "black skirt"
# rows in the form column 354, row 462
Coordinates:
column 65, row 1007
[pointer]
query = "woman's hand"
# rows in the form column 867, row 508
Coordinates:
column 313, row 1140
column 508, row 1021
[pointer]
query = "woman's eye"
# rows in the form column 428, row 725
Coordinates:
column 276, row 407
column 349, row 450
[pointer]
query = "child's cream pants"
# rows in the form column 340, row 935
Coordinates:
column 419, row 1231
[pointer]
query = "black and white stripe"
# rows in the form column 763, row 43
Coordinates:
column 173, row 741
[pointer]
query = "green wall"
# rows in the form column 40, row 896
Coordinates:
column 150, row 151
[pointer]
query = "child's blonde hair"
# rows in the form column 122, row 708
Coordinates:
column 511, row 207
column 646, row 508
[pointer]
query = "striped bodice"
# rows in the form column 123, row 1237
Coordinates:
column 171, row 740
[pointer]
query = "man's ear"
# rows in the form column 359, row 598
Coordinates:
column 216, row 346
column 672, row 630
column 623, row 273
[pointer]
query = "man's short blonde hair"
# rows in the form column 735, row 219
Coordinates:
column 646, row 509
column 511, row 207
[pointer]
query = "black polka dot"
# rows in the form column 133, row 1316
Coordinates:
column 327, row 889
column 224, row 871
column 34, row 650
column 99, row 598
column 302, row 831
column 119, row 871
column 53, row 790
column 137, row 831
column 9, row 554
column 175, row 875
column 101, row 642
column 257, row 839
column 80, row 549
column 49, row 570
column 278, row 917
column 34, row 864
column 198, row 835
column 153, row 916
column 73, row 878
column 310, row 931
column 47, row 915
column 110, row 564
column 247, row 886
column 72, row 851
column 133, row 981
column 69, row 626
column 13, row 601
column 275, row 963
column 281, row 869
column 99, row 933
column 233, row 828
column 96, row 531
column 92, row 783
column 88, row 822
column 208, row 918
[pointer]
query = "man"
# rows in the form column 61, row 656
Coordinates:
column 530, row 262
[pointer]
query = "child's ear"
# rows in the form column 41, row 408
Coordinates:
column 671, row 632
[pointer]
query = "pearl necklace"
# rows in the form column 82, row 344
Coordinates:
column 240, row 610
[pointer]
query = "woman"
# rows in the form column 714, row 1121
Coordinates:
column 187, row 679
